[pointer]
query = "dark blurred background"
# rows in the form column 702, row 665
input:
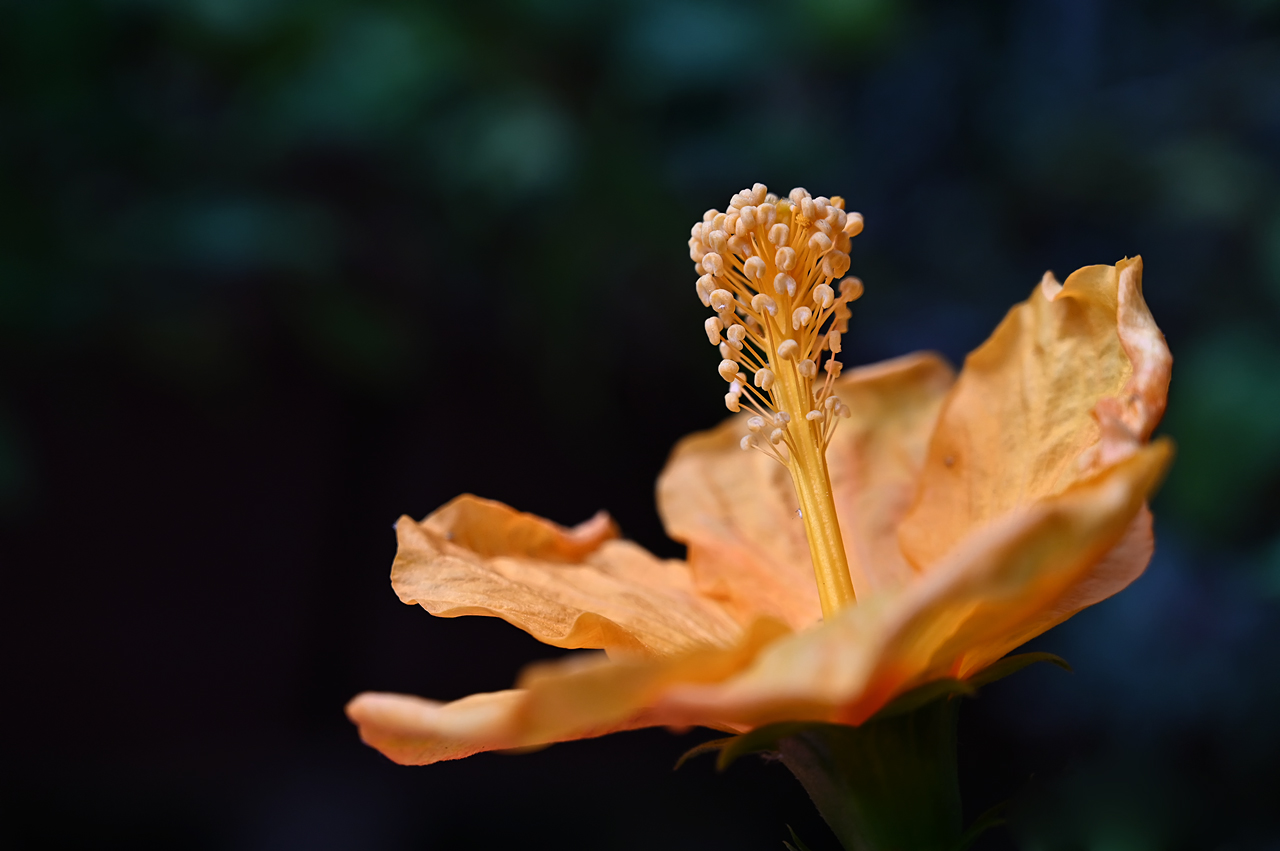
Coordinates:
column 273, row 272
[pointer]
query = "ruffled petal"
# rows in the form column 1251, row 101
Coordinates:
column 736, row 510
column 1073, row 372
column 996, row 585
column 572, row 588
column 575, row 698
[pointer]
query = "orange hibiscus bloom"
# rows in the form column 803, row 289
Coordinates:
column 947, row 521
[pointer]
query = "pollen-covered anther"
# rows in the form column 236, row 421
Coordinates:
column 813, row 416
column 755, row 424
column 833, row 341
column 718, row 240
column 819, row 242
column 713, row 326
column 780, row 234
column 789, row 349
column 775, row 436
column 732, row 399
column 730, row 352
column 706, row 285
column 748, row 442
column 833, row 366
column 823, row 296
column 746, row 219
column 785, row 258
column 713, row 263
column 766, row 215
column 835, row 264
column 853, row 224
column 762, row 303
column 851, row 289
column 722, row 301
column 754, row 269
column 800, row 317
column 764, row 379
column 807, row 368
column 728, row 369
column 736, row 334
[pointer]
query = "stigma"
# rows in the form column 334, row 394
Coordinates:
column 768, row 268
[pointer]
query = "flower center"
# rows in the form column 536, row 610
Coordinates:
column 766, row 268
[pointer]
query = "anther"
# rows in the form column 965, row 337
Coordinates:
column 779, row 234
column 851, row 289
column 729, row 351
column 755, row 424
column 781, row 418
column 807, row 368
column 833, row 341
column 713, row 325
column 713, row 263
column 705, row 286
column 759, row 192
column 761, row 303
column 747, row 218
column 798, row 194
column 731, row 221
column 709, row 214
column 784, row 283
column 740, row 246
column 833, row 366
column 785, row 258
column 835, row 264
column 747, row 442
column 718, row 240
column 736, row 335
column 766, row 214
column 808, row 209
column 754, row 269
column 728, row 369
column 813, row 415
column 819, row 242
column 789, row 349
column 721, row 301
column 717, row 221
column 732, row 402
column 823, row 296
column 853, row 224
column 772, row 198
column 764, row 379
column 775, row 436
column 800, row 317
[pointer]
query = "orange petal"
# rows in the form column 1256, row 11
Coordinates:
column 991, row 593
column 570, row 699
column 736, row 510
column 571, row 588
column 1073, row 379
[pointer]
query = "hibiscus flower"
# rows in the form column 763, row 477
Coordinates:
column 883, row 529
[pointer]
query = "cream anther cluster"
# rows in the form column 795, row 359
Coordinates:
column 768, row 268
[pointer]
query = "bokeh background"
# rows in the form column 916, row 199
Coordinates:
column 274, row 272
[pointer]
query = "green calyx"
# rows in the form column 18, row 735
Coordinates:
column 890, row 784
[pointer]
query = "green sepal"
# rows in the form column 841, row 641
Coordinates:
column 798, row 846
column 993, row 817
column 1012, row 665
column 699, row 750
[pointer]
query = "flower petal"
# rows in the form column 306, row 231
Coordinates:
column 574, row 698
column 571, row 588
column 990, row 593
column 736, row 510
column 1073, row 379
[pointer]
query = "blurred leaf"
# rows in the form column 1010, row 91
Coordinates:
column 1225, row 414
